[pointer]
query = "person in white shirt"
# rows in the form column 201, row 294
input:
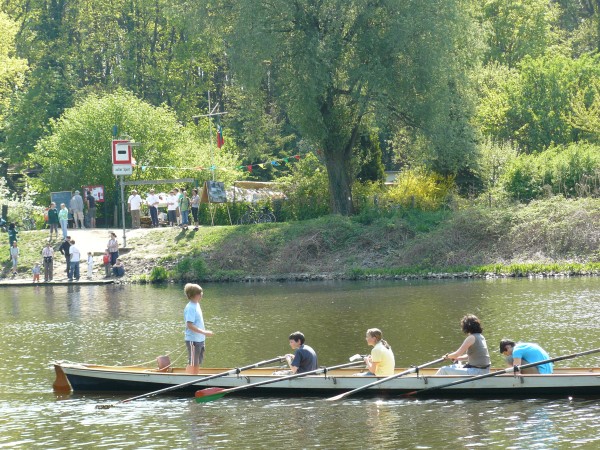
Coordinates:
column 153, row 201
column 75, row 258
column 48, row 256
column 133, row 204
column 90, row 265
column 172, row 204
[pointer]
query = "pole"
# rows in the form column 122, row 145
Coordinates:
column 123, row 210
column 212, row 164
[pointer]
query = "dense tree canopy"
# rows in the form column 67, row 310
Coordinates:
column 78, row 150
column 334, row 62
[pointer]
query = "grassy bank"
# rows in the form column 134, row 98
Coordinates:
column 554, row 236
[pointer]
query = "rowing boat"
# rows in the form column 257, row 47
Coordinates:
column 583, row 382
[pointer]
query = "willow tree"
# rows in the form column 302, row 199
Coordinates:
column 334, row 62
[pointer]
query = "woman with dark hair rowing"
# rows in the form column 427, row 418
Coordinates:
column 473, row 349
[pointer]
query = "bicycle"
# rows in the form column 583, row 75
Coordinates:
column 253, row 216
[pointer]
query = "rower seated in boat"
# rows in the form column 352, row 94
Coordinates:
column 381, row 361
column 304, row 358
column 473, row 349
column 521, row 353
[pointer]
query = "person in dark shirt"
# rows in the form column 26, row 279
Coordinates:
column 304, row 358
column 91, row 204
column 64, row 249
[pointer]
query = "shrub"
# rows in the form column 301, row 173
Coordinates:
column 190, row 268
column 158, row 274
column 420, row 189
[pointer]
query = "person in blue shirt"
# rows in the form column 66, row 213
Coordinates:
column 195, row 332
column 521, row 353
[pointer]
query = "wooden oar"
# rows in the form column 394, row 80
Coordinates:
column 199, row 380
column 384, row 380
column 210, row 394
column 500, row 372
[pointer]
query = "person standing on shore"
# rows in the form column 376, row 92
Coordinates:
column 107, row 264
column 153, row 201
column 90, row 265
column 53, row 220
column 133, row 204
column 14, row 257
column 63, row 218
column 75, row 258
column 64, row 250
column 91, row 204
column 76, row 206
column 12, row 233
column 195, row 332
column 113, row 248
column 48, row 258
column 195, row 208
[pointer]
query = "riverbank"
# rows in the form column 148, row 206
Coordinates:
column 554, row 237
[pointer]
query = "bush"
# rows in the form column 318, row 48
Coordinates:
column 307, row 189
column 420, row 189
column 573, row 171
column 158, row 274
column 190, row 268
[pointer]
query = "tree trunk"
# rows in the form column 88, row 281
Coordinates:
column 338, row 165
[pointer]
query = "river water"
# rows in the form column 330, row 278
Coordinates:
column 134, row 324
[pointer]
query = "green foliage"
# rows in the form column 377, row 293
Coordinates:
column 533, row 108
column 13, row 69
column 369, row 158
column 334, row 61
column 571, row 171
column 306, row 190
column 420, row 189
column 520, row 28
column 158, row 274
column 190, row 268
column 78, row 149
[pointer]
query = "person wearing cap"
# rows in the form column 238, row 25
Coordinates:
column 76, row 207
column 153, row 201
column 133, row 204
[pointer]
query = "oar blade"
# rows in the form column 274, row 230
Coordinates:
column 336, row 397
column 209, row 394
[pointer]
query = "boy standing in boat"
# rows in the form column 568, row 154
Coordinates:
column 195, row 333
column 304, row 358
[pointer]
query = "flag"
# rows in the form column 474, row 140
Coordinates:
column 220, row 140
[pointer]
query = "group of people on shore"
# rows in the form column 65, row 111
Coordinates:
column 471, row 358
column 179, row 207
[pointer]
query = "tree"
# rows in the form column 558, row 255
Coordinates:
column 333, row 62
column 77, row 151
column 519, row 28
column 12, row 71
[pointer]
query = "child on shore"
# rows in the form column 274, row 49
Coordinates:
column 195, row 333
column 106, row 262
column 14, row 257
column 36, row 273
column 90, row 264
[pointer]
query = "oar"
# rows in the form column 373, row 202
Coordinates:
column 384, row 380
column 199, row 380
column 210, row 394
column 500, row 372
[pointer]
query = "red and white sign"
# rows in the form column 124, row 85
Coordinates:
column 121, row 152
column 97, row 192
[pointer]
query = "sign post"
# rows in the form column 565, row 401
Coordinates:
column 122, row 160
